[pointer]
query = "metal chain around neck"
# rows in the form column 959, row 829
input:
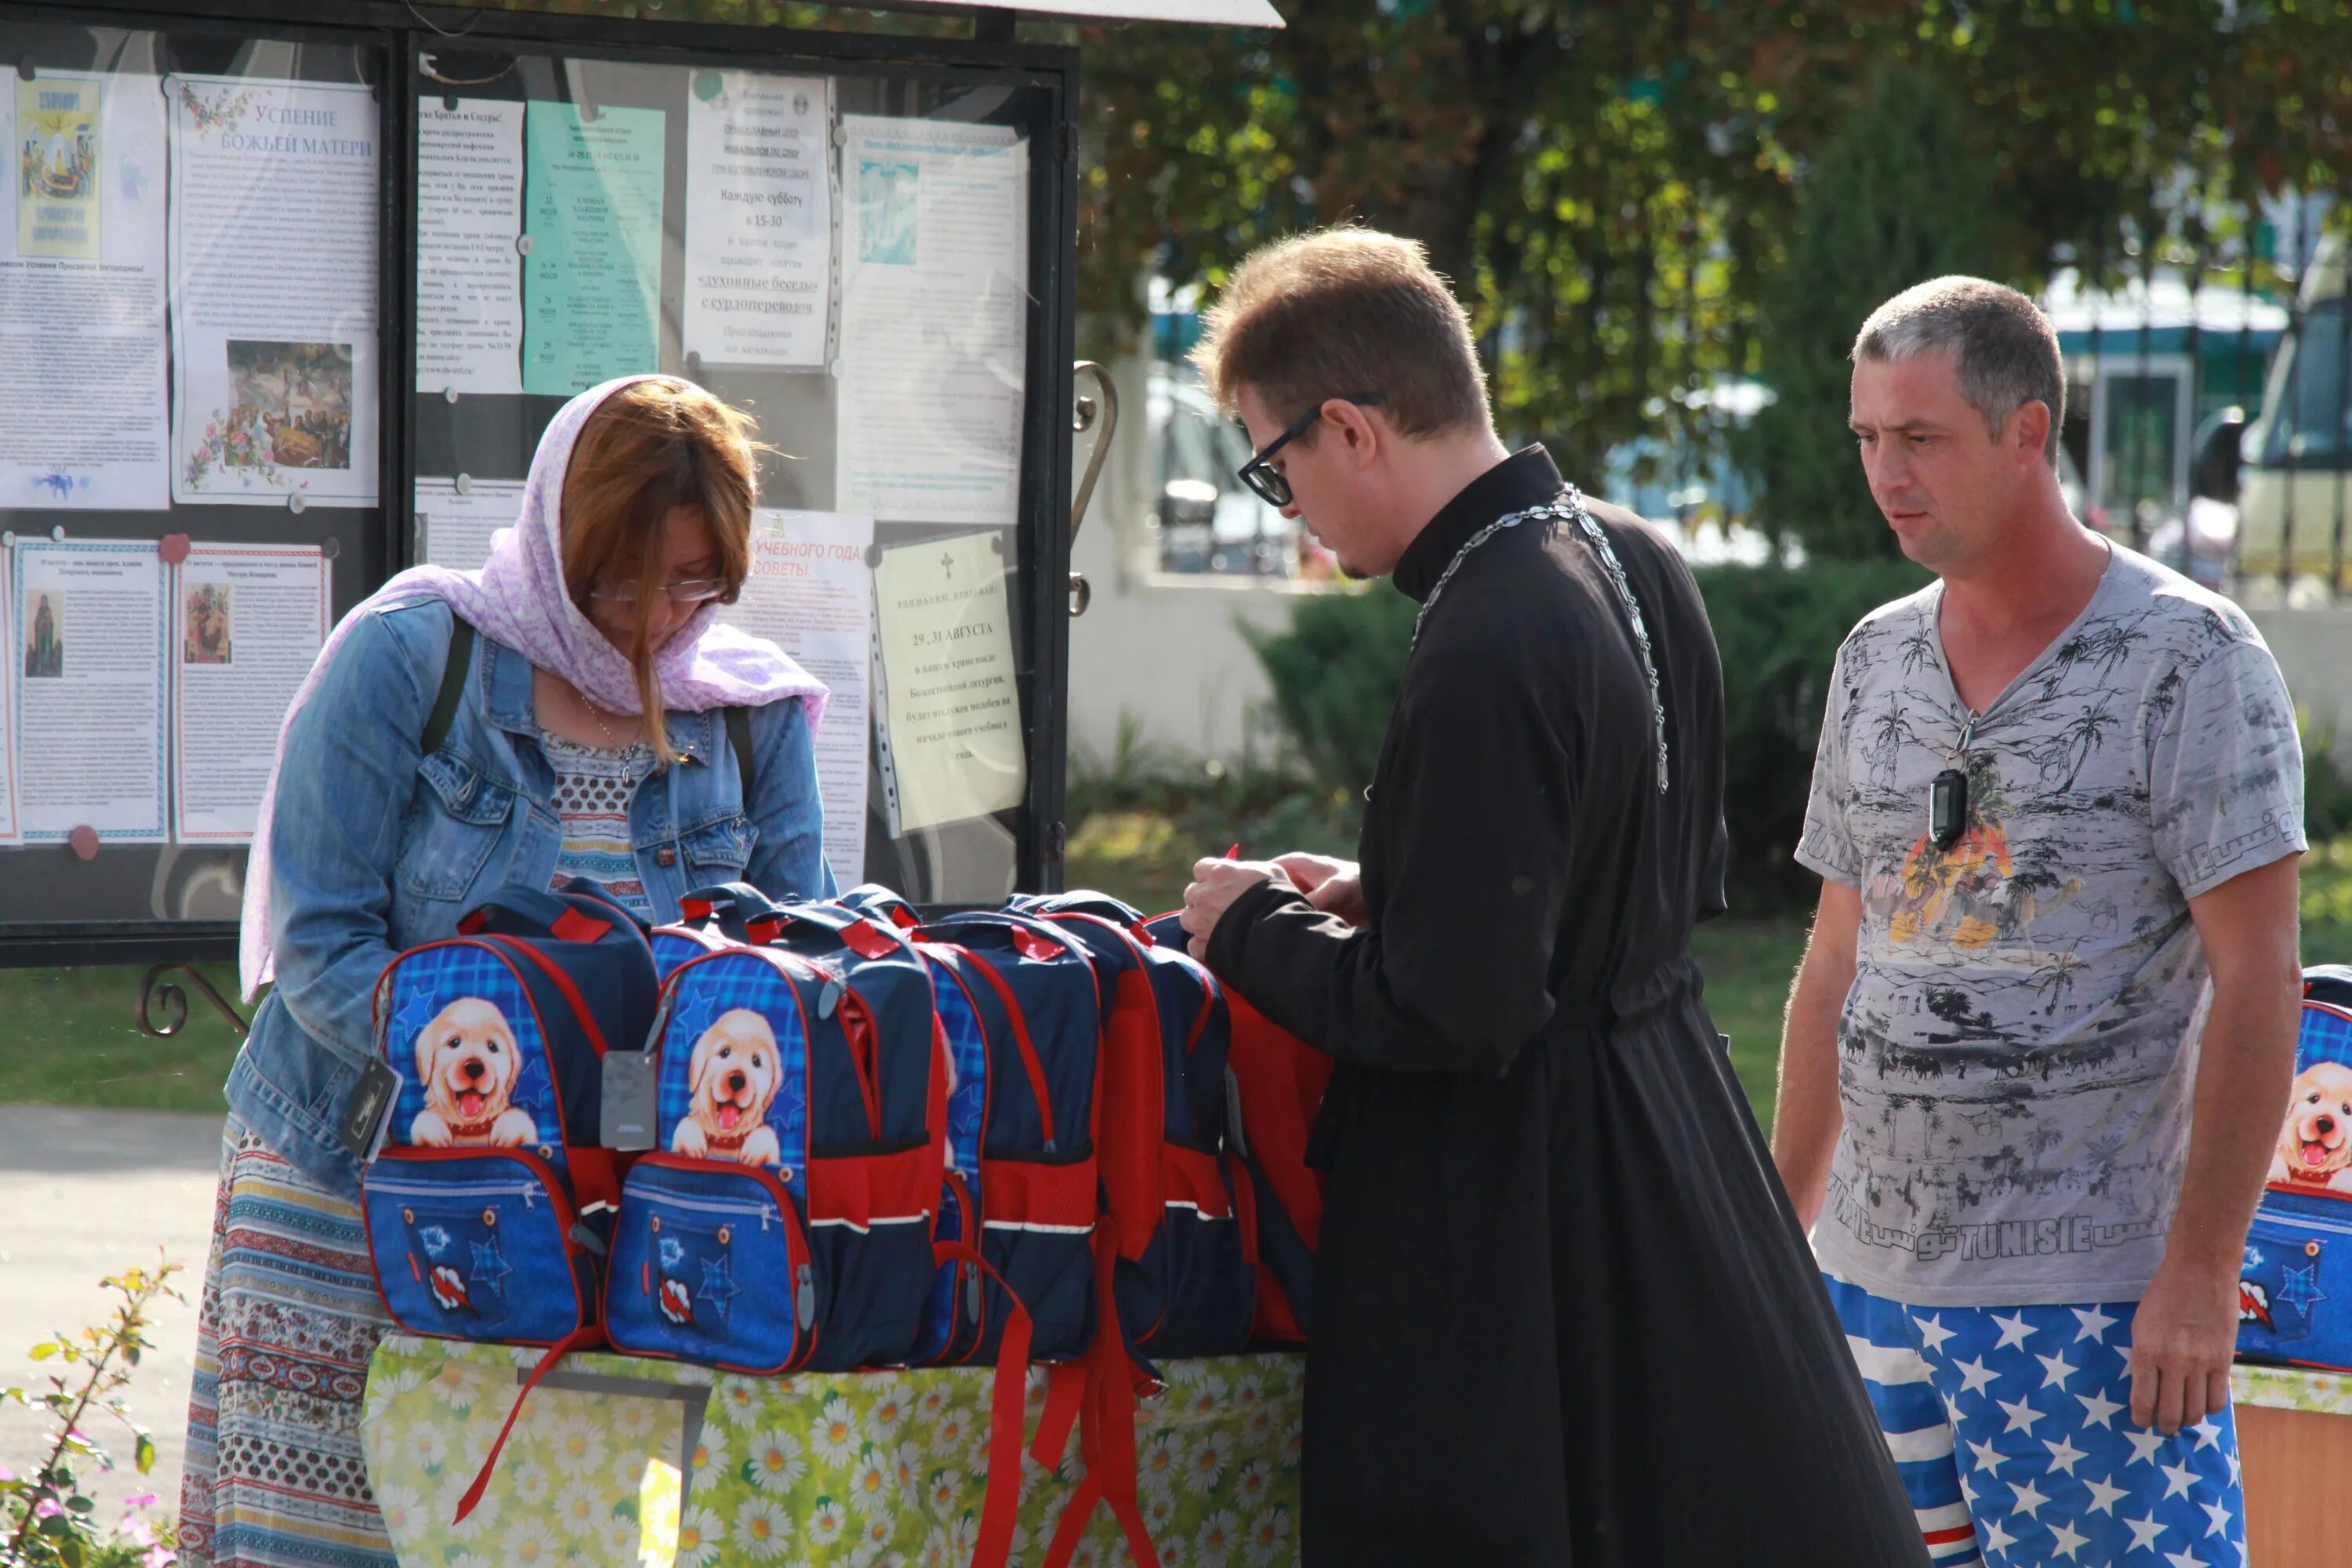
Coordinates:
column 1570, row 508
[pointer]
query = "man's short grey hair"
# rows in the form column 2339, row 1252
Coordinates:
column 2004, row 349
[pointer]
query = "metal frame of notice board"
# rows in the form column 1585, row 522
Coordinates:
column 69, row 908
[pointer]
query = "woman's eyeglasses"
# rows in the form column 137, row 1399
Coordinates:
column 1261, row 478
column 689, row 590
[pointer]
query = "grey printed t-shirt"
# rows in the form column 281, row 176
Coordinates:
column 2017, row 1056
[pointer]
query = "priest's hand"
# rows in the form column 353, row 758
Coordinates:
column 1334, row 887
column 1215, row 885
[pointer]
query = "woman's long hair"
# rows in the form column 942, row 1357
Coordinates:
column 652, row 445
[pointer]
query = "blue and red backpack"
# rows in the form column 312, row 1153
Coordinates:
column 2294, row 1293
column 1175, row 1261
column 784, row 1220
column 1185, row 1284
column 1278, row 1084
column 1018, row 1003
column 488, row 1210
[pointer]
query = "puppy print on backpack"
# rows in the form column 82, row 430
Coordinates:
column 466, row 1060
column 732, row 1080
column 2314, row 1147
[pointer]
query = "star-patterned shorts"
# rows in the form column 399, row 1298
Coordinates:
column 2012, row 1430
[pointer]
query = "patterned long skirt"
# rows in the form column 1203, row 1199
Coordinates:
column 287, row 1322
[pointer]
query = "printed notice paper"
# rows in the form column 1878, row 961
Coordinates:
column 456, row 528
column 934, row 320
column 592, row 280
column 758, row 218
column 949, row 712
column 273, row 231
column 89, row 676
column 82, row 394
column 811, row 593
column 468, row 273
column 8, row 702
column 248, row 622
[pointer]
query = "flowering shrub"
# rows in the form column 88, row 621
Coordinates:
column 46, row 1521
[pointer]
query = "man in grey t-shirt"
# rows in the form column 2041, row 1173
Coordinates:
column 2041, row 1041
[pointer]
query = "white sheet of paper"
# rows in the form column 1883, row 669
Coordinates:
column 946, row 706
column 758, row 218
column 247, row 622
column 90, row 682
column 15, row 654
column 469, row 272
column 273, row 245
column 934, row 320
column 812, row 593
column 456, row 528
column 82, row 396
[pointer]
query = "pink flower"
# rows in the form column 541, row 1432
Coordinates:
column 46, row 1508
column 159, row 1557
column 137, row 1532
column 144, row 1500
column 6, row 1474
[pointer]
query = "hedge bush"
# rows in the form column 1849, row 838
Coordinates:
column 1334, row 675
column 1779, row 628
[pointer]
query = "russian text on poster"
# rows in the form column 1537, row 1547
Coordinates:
column 90, row 684
column 758, row 218
column 934, row 320
column 273, row 245
column 592, row 282
column 83, row 401
column 457, row 526
column 248, row 622
column 811, row 593
column 946, row 706
column 469, row 272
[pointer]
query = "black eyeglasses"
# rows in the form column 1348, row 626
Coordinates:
column 1268, row 484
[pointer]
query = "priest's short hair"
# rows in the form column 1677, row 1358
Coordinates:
column 1340, row 312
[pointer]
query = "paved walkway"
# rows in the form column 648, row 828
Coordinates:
column 88, row 1194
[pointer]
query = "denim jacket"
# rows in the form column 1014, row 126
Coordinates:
column 377, row 849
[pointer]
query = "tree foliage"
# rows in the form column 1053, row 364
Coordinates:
column 1612, row 187
column 1896, row 195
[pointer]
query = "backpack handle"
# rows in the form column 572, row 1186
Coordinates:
column 734, row 905
column 517, row 910
column 1080, row 902
column 853, row 929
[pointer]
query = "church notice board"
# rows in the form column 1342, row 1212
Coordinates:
column 285, row 310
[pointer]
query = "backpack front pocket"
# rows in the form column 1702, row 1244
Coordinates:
column 710, row 1265
column 2295, row 1291
column 477, row 1244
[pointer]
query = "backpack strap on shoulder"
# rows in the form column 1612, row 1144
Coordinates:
column 452, row 685
column 739, row 741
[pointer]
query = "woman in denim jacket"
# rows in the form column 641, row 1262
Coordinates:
column 589, row 741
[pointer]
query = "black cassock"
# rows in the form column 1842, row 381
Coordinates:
column 1563, row 1312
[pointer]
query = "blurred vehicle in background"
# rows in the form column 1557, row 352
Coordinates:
column 1204, row 518
column 2288, row 473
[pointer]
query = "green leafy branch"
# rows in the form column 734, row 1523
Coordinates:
column 46, row 1519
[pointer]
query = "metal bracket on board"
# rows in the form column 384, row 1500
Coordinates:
column 1085, row 415
column 155, row 988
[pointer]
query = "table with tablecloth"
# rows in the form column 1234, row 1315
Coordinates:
column 621, row 1462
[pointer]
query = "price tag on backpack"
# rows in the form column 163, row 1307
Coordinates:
column 369, row 1118
column 628, row 1101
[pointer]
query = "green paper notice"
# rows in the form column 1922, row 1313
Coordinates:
column 591, row 281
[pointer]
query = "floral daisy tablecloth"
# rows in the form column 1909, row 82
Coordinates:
column 644, row 1464
column 2291, row 1388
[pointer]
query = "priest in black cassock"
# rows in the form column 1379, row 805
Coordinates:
column 1563, row 1312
